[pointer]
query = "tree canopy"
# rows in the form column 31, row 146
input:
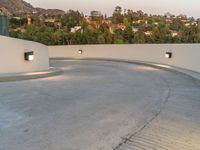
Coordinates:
column 123, row 27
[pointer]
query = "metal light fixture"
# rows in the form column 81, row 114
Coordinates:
column 80, row 51
column 29, row 56
column 168, row 55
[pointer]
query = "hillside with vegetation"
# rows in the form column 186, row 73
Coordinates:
column 21, row 8
column 123, row 27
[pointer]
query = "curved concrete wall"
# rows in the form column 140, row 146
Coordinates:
column 185, row 56
column 12, row 56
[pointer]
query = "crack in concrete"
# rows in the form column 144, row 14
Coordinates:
column 125, row 140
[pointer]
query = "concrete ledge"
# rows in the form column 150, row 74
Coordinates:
column 32, row 75
column 191, row 74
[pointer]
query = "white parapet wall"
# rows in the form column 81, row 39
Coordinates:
column 12, row 56
column 185, row 56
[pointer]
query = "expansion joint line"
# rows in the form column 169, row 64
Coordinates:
column 127, row 139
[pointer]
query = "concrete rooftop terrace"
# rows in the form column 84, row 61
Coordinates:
column 101, row 105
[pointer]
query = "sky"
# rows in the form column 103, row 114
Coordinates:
column 187, row 7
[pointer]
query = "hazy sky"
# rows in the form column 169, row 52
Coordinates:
column 188, row 7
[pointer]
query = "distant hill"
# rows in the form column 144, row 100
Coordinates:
column 15, row 7
column 50, row 11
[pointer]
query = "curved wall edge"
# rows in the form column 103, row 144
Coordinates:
column 12, row 56
column 185, row 56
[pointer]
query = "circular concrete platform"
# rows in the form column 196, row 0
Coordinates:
column 101, row 105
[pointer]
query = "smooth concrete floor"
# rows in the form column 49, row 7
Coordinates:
column 101, row 105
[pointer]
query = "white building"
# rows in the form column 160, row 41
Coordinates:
column 148, row 33
column 135, row 30
column 75, row 29
column 174, row 33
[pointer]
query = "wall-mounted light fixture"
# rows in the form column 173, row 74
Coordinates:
column 168, row 55
column 80, row 51
column 29, row 56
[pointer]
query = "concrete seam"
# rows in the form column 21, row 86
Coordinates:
column 125, row 140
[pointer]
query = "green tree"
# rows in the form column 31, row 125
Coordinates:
column 117, row 16
column 128, row 35
column 139, row 38
column 71, row 18
column 126, row 22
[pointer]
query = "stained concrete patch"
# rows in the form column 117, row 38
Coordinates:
column 9, row 118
